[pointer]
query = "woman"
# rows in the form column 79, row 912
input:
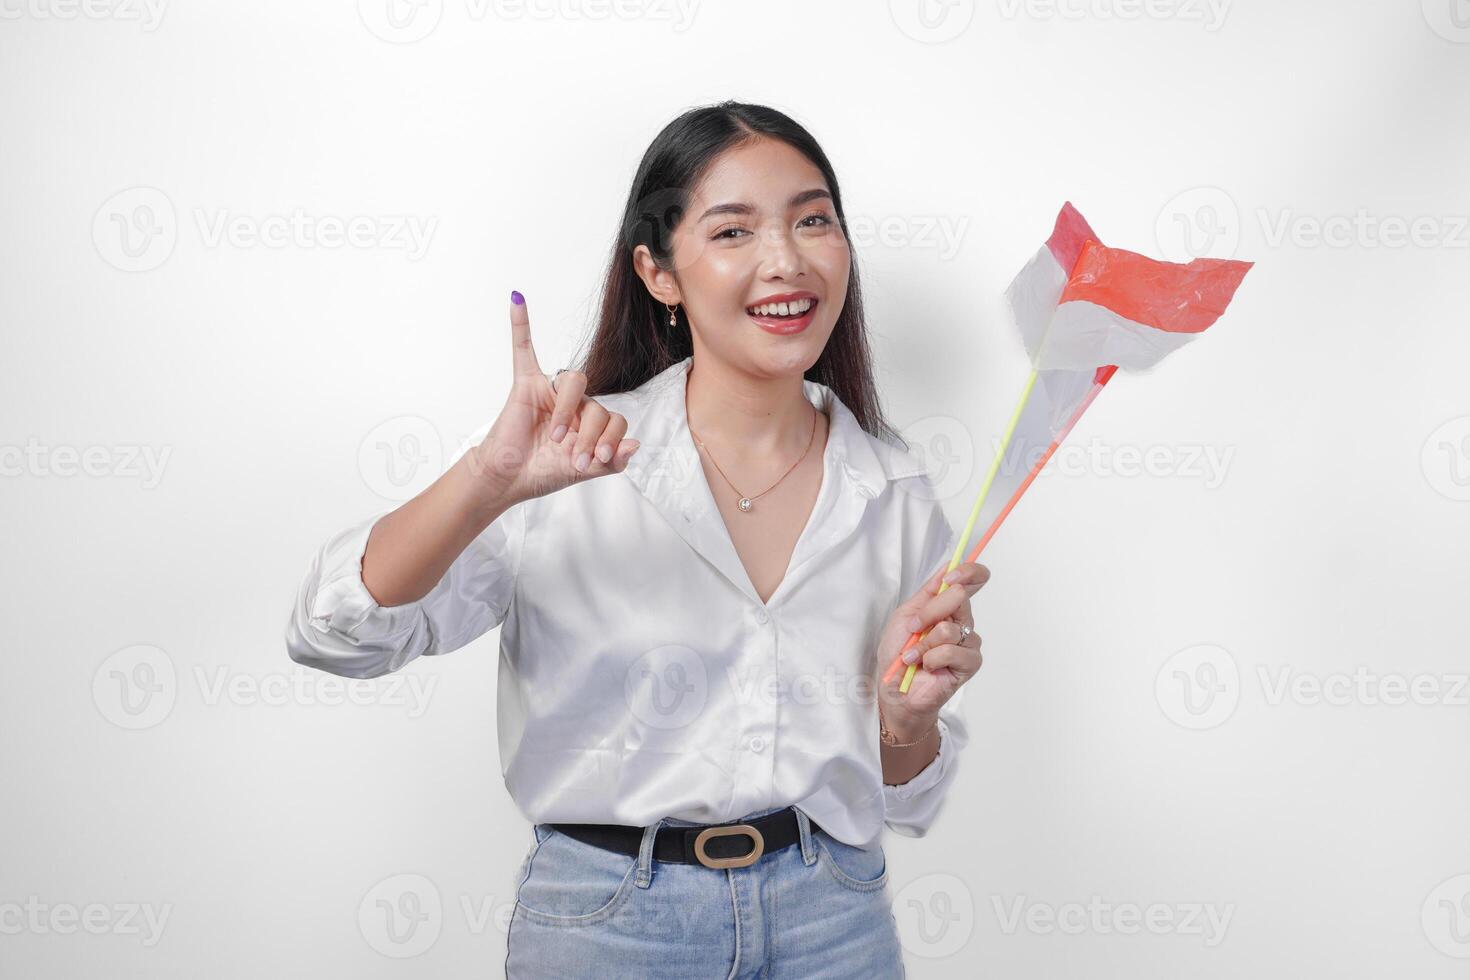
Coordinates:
column 689, row 648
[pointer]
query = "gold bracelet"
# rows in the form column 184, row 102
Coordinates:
column 891, row 740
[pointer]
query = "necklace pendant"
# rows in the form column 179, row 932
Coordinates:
column 745, row 503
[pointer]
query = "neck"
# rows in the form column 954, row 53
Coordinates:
column 745, row 417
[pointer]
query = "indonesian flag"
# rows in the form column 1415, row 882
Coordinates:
column 1081, row 305
column 1084, row 310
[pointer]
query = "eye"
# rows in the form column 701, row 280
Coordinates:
column 820, row 215
column 724, row 233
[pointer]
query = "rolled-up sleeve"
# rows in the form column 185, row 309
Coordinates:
column 336, row 625
column 911, row 808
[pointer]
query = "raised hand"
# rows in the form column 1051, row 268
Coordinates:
column 547, row 439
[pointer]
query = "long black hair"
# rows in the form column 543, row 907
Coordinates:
column 633, row 339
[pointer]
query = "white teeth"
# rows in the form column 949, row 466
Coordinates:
column 795, row 308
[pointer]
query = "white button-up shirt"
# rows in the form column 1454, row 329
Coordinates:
column 641, row 676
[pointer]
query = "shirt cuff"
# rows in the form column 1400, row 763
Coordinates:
column 343, row 605
column 910, row 808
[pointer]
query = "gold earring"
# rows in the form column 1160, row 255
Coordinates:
column 673, row 320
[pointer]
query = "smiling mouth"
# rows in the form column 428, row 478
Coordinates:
column 782, row 312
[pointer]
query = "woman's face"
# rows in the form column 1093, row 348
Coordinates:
column 761, row 228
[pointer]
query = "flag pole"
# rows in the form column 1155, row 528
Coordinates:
column 1104, row 377
column 964, row 538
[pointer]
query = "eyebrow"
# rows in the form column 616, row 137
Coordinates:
column 796, row 201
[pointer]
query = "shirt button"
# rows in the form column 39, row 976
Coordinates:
column 757, row 743
column 762, row 617
column 904, row 793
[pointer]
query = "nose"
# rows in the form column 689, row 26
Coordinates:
column 781, row 258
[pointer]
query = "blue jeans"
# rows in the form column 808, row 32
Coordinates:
column 817, row 909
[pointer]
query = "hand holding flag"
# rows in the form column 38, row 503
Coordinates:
column 1084, row 310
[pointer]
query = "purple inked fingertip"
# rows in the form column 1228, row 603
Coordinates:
column 517, row 298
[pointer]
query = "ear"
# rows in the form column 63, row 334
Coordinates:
column 660, row 282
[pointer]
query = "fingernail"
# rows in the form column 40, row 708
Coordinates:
column 604, row 453
column 911, row 656
column 558, row 432
column 517, row 298
column 582, row 462
column 914, row 623
column 951, row 577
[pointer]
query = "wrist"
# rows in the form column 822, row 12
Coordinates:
column 479, row 497
column 904, row 727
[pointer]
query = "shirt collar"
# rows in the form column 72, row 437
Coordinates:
column 668, row 472
column 662, row 421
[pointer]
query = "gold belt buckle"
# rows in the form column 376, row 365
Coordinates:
column 743, row 860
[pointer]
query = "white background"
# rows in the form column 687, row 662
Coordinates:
column 1132, row 744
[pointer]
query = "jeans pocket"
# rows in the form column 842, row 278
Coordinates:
column 862, row 869
column 568, row 882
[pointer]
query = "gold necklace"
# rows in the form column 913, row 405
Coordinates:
column 746, row 502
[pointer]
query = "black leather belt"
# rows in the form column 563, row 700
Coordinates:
column 721, row 845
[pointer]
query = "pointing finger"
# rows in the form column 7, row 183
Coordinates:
column 520, row 337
